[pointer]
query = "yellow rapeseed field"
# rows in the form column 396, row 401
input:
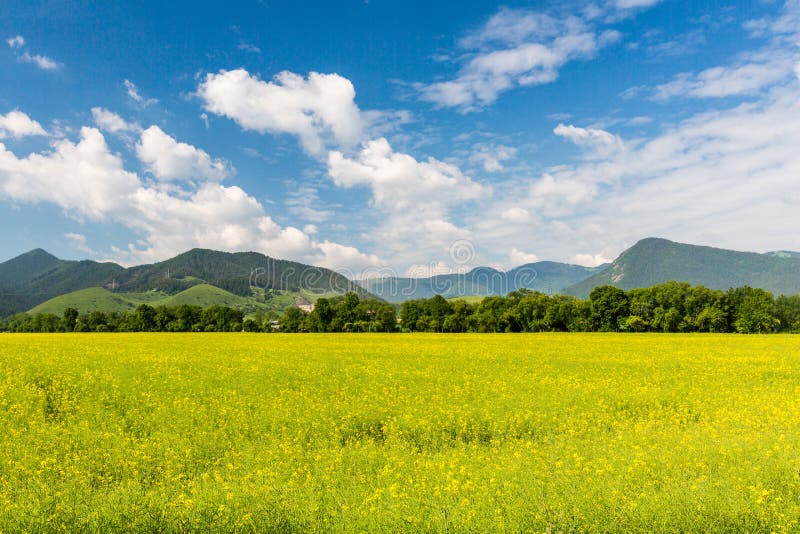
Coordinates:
column 549, row 432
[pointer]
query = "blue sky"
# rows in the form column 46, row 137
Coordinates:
column 397, row 137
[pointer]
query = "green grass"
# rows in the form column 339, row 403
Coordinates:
column 399, row 433
column 204, row 295
column 88, row 300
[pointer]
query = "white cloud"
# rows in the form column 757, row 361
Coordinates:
column 590, row 260
column 167, row 159
column 515, row 48
column 43, row 62
column 345, row 259
column 427, row 270
column 304, row 202
column 319, row 110
column 398, row 181
column 725, row 177
column 89, row 182
column 83, row 178
column 599, row 141
column 248, row 47
column 16, row 41
column 135, row 95
column 412, row 199
column 78, row 242
column 516, row 215
column 112, row 123
column 747, row 77
column 491, row 157
column 554, row 194
column 517, row 257
column 634, row 4
column 17, row 124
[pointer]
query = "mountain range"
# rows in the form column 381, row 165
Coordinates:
column 40, row 282
column 247, row 280
column 653, row 261
column 545, row 276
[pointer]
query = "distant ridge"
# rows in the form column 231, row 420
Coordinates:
column 545, row 276
column 653, row 261
column 254, row 281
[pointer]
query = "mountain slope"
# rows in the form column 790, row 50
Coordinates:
column 87, row 301
column 544, row 276
column 26, row 267
column 203, row 295
column 255, row 280
column 237, row 273
column 653, row 261
column 37, row 276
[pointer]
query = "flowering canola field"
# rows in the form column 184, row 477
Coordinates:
column 238, row 432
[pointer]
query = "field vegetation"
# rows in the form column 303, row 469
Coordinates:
column 399, row 433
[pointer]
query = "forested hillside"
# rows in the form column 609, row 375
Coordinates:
column 653, row 261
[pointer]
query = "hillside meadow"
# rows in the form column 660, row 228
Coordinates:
column 409, row 433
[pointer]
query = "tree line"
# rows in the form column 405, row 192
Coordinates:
column 668, row 307
column 346, row 313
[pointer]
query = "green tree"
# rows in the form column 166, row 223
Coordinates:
column 69, row 318
column 609, row 306
column 145, row 318
column 292, row 320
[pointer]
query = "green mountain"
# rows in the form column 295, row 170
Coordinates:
column 37, row 276
column 87, row 301
column 246, row 280
column 545, row 276
column 653, row 261
column 203, row 295
column 238, row 273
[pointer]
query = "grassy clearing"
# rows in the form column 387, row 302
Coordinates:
column 399, row 432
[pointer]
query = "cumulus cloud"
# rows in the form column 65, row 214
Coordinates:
column 83, row 178
column 110, row 122
column 599, row 141
column 398, row 181
column 168, row 159
column 491, row 157
column 517, row 257
column 319, row 109
column 516, row 215
column 17, row 124
column 590, row 260
column 515, row 48
column 88, row 181
column 428, row 270
column 412, row 198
